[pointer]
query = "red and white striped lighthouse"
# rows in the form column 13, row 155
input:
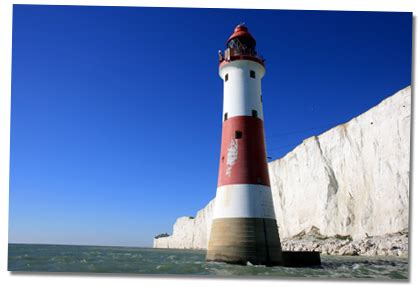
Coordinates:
column 244, row 227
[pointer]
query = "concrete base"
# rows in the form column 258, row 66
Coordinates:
column 243, row 240
column 301, row 258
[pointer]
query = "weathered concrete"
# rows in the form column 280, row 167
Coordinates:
column 243, row 240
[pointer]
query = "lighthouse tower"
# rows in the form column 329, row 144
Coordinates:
column 244, row 227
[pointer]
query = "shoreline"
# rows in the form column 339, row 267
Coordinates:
column 395, row 244
column 388, row 245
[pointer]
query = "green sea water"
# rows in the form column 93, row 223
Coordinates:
column 70, row 258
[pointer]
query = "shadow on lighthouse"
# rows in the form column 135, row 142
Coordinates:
column 244, row 227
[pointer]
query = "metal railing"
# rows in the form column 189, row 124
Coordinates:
column 232, row 53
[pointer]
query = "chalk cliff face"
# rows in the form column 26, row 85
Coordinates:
column 189, row 233
column 352, row 180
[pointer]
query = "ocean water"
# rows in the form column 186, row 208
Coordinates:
column 69, row 258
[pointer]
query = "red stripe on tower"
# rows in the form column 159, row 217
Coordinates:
column 243, row 156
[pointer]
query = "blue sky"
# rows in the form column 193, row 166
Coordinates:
column 116, row 112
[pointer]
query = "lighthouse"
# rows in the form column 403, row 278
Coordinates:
column 244, row 227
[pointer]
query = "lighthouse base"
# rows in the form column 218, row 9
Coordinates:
column 243, row 240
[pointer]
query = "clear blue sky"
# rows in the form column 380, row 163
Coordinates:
column 116, row 112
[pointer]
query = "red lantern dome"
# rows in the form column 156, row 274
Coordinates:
column 241, row 31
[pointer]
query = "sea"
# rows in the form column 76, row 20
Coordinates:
column 103, row 259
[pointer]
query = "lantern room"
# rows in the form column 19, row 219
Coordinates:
column 240, row 46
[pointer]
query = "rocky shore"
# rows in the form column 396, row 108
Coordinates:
column 395, row 244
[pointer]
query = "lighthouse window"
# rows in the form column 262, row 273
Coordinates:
column 252, row 74
column 226, row 77
column 226, row 115
column 254, row 113
column 238, row 134
column 261, row 98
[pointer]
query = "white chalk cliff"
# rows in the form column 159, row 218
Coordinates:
column 352, row 180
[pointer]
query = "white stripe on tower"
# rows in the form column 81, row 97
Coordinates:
column 242, row 94
column 243, row 200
